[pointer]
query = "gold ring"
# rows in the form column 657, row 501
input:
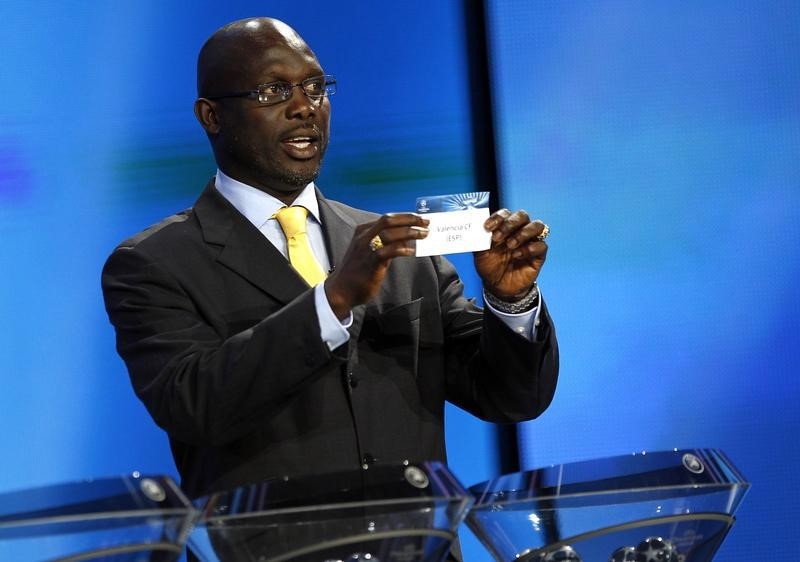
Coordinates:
column 376, row 243
column 544, row 234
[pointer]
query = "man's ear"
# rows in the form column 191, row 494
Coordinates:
column 206, row 112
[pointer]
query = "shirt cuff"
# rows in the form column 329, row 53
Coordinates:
column 523, row 324
column 333, row 332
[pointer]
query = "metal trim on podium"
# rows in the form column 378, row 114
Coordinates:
column 125, row 519
column 671, row 506
column 393, row 513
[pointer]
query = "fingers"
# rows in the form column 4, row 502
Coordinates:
column 496, row 224
column 395, row 234
column 521, row 235
column 530, row 251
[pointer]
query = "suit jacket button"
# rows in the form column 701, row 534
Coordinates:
column 368, row 461
column 352, row 380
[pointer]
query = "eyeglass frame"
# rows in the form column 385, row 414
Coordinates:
column 328, row 83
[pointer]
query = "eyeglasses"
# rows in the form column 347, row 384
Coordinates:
column 316, row 88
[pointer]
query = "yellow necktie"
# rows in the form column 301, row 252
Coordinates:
column 293, row 223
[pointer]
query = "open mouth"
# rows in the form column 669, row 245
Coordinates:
column 301, row 146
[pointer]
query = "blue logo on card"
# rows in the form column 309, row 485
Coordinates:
column 454, row 202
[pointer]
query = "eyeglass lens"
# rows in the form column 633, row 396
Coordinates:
column 315, row 88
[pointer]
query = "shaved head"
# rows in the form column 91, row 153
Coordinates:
column 223, row 60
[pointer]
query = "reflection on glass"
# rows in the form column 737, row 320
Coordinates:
column 661, row 506
column 125, row 519
column 401, row 513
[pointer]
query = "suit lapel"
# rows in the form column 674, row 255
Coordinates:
column 339, row 229
column 243, row 249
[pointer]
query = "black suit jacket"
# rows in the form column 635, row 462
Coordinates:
column 222, row 343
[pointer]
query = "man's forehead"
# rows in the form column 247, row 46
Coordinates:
column 275, row 32
column 282, row 62
column 262, row 48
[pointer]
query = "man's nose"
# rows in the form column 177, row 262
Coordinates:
column 300, row 105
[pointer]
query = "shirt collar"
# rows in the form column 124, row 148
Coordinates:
column 257, row 206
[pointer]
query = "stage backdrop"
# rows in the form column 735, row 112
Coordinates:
column 661, row 142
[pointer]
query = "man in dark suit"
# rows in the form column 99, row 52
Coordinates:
column 251, row 370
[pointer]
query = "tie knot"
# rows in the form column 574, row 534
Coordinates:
column 292, row 220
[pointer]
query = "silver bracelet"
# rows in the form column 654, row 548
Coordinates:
column 526, row 303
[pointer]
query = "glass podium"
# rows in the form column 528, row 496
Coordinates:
column 403, row 513
column 126, row 519
column 673, row 506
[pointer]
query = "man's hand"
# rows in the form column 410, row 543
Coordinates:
column 358, row 278
column 511, row 265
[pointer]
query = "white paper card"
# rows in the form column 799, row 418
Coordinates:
column 455, row 231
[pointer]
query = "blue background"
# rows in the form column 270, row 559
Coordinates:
column 661, row 144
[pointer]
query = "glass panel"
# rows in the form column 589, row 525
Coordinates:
column 684, row 498
column 386, row 513
column 128, row 518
